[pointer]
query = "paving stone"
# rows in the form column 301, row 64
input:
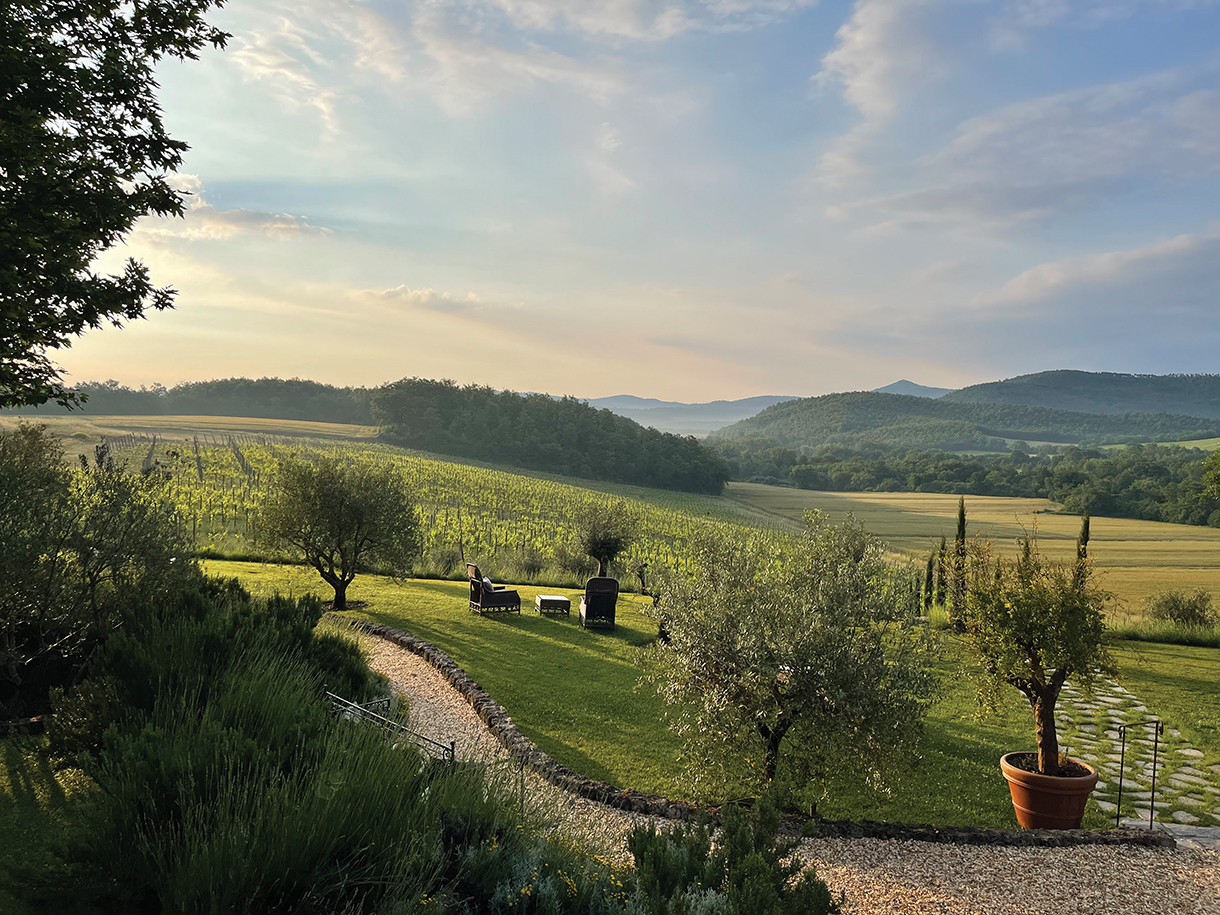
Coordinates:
column 1191, row 770
column 1191, row 752
column 1138, row 795
column 1088, row 727
column 1113, row 735
column 1106, row 806
column 1189, row 801
column 1174, row 733
column 1215, row 769
column 1182, row 816
column 1187, row 779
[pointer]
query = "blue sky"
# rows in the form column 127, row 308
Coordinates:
column 690, row 201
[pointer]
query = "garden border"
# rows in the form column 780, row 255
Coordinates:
column 522, row 749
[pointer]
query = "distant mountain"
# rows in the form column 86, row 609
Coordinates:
column 685, row 418
column 1102, row 392
column 911, row 389
column 920, row 422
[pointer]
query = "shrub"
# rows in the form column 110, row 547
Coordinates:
column 748, row 872
column 1176, row 607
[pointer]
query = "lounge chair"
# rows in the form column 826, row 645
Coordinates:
column 486, row 597
column 597, row 605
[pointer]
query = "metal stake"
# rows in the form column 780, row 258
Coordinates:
column 1157, row 731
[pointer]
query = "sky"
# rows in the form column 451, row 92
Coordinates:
column 686, row 200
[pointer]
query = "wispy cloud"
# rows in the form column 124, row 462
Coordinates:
column 203, row 222
column 428, row 299
column 1033, row 161
column 1056, row 278
column 881, row 55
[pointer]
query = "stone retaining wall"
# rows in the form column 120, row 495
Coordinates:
column 522, row 749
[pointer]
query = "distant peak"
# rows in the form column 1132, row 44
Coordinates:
column 911, row 389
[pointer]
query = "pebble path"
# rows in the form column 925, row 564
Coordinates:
column 1187, row 801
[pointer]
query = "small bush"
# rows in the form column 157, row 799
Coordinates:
column 748, row 872
column 1174, row 606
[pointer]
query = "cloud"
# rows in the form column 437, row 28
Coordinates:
column 428, row 299
column 260, row 58
column 203, row 222
column 1174, row 257
column 641, row 20
column 466, row 72
column 880, row 57
column 1011, row 27
column 1034, row 161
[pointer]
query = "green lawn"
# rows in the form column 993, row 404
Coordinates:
column 573, row 693
column 1179, row 683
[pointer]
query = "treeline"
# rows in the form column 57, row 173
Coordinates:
column 1147, row 482
column 870, row 418
column 1101, row 392
column 270, row 398
column 535, row 431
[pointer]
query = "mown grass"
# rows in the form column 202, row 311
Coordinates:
column 1181, row 685
column 573, row 692
column 1139, row 558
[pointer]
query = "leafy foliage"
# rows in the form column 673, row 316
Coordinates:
column 83, row 155
column 1181, row 609
column 606, row 532
column 862, row 418
column 1034, row 623
column 76, row 543
column 747, row 872
column 339, row 515
column 784, row 660
column 538, row 432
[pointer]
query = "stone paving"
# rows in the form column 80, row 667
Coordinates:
column 1187, row 801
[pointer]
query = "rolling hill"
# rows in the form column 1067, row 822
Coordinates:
column 1101, row 392
column 920, row 422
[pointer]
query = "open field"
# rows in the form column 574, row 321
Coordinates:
column 574, row 694
column 81, row 432
column 1138, row 557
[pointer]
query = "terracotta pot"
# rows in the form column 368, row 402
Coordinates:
column 1048, row 801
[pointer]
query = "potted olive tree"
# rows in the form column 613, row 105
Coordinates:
column 1034, row 624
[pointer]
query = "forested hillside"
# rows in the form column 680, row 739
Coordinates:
column 272, row 398
column 1148, row 482
column 1102, row 392
column 918, row 422
column 538, row 432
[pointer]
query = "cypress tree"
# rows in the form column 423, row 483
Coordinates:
column 959, row 560
column 929, row 582
column 942, row 571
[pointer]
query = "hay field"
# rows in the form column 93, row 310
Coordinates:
column 1138, row 557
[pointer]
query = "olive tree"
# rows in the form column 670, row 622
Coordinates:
column 606, row 531
column 77, row 545
column 1034, row 623
column 789, row 658
column 341, row 513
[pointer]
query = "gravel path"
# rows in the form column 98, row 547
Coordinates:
column 879, row 877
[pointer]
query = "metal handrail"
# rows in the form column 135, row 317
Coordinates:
column 355, row 712
column 1122, row 764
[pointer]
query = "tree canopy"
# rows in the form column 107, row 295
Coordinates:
column 340, row 514
column 539, row 432
column 1033, row 623
column 782, row 661
column 83, row 155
